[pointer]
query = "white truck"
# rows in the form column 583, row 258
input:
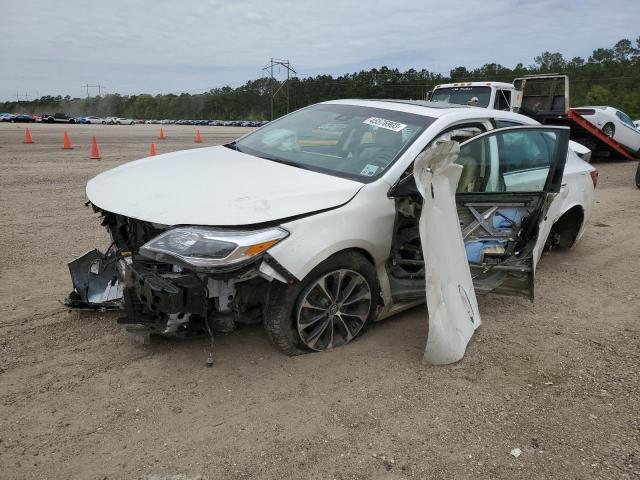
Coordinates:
column 538, row 96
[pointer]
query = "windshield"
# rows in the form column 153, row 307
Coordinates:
column 343, row 140
column 463, row 96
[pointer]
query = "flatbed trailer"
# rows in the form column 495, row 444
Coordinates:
column 587, row 134
column 545, row 98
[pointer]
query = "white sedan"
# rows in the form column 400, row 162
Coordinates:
column 124, row 121
column 615, row 124
column 317, row 230
column 98, row 120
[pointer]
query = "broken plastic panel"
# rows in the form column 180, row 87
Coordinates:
column 97, row 283
column 451, row 298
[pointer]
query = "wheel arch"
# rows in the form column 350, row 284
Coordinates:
column 566, row 228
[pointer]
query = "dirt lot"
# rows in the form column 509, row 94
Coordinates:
column 557, row 378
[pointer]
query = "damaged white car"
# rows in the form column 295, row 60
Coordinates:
column 312, row 223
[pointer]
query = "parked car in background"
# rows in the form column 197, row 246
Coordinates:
column 124, row 121
column 615, row 124
column 339, row 245
column 57, row 118
column 22, row 118
column 6, row 117
column 81, row 120
column 97, row 120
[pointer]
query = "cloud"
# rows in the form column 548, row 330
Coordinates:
column 161, row 46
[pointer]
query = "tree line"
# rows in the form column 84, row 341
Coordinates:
column 609, row 76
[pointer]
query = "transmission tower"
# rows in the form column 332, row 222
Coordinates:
column 98, row 86
column 278, row 62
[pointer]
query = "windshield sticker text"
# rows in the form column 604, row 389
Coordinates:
column 383, row 123
column 369, row 170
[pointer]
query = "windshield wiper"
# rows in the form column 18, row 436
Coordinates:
column 233, row 146
column 284, row 162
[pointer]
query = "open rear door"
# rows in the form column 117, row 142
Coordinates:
column 485, row 202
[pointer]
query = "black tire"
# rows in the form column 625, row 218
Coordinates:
column 49, row 120
column 638, row 176
column 609, row 130
column 282, row 301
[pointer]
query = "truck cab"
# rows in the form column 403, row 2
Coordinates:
column 493, row 95
column 541, row 97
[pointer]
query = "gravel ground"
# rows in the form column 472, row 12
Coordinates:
column 557, row 378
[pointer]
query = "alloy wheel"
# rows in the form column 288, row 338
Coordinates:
column 333, row 309
column 608, row 130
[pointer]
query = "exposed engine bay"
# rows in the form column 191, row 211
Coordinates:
column 165, row 298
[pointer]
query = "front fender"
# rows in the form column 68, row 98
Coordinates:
column 365, row 222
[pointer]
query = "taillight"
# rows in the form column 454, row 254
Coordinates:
column 594, row 177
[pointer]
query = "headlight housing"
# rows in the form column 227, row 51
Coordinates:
column 205, row 247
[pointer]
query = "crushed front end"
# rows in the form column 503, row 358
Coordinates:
column 178, row 281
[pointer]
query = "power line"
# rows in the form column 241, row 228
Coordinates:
column 269, row 68
column 98, row 86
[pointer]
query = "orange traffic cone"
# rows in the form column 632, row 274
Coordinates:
column 95, row 154
column 198, row 138
column 161, row 137
column 27, row 136
column 152, row 150
column 66, row 143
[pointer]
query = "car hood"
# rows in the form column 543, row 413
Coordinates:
column 215, row 186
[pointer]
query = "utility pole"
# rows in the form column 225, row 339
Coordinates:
column 98, row 86
column 285, row 84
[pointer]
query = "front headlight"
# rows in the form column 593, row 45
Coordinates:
column 210, row 247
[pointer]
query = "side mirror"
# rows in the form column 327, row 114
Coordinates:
column 406, row 187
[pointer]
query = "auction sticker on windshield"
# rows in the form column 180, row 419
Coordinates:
column 383, row 123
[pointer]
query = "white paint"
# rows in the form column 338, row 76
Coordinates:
column 451, row 298
column 215, row 186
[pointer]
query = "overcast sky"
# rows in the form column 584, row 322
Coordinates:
column 158, row 46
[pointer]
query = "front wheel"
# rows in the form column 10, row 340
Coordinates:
column 609, row 130
column 329, row 308
column 638, row 176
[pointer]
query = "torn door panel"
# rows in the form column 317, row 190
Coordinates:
column 97, row 281
column 451, row 298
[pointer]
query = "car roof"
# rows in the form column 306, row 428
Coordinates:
column 419, row 107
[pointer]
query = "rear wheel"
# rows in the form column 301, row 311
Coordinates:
column 638, row 176
column 609, row 130
column 329, row 308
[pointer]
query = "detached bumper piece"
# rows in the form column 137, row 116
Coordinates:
column 97, row 284
column 179, row 293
